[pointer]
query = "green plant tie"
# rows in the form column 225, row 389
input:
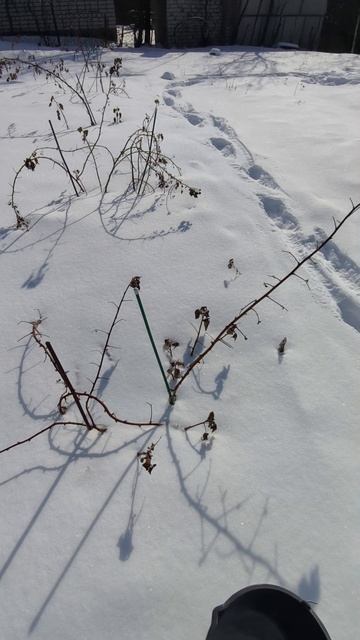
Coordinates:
column 171, row 393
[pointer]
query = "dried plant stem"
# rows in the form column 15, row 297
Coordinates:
column 111, row 414
column 21, row 223
column 142, row 150
column 91, row 153
column 210, row 426
column 60, row 369
column 148, row 156
column 63, row 159
column 197, row 337
column 266, row 295
column 105, row 348
column 120, row 157
column 92, row 146
column 70, row 391
column 85, row 100
column 194, row 425
column 60, row 79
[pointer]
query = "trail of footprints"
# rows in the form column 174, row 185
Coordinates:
column 339, row 273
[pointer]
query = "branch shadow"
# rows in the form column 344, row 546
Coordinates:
column 79, row 451
column 24, row 472
column 218, row 524
column 125, row 208
column 261, row 64
column 219, row 380
column 19, row 236
column 247, row 64
column 125, row 543
column 207, row 547
column 309, row 586
column 71, row 458
column 199, row 347
column 4, row 232
column 89, row 530
column 105, row 378
column 204, row 447
column 213, row 526
column 35, row 278
column 23, row 369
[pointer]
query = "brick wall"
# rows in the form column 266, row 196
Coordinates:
column 67, row 17
column 193, row 23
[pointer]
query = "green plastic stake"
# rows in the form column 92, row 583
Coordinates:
column 172, row 396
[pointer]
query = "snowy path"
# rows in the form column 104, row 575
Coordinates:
column 338, row 273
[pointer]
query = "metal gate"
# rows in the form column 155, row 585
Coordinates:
column 134, row 16
column 267, row 22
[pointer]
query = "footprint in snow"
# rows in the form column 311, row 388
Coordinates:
column 340, row 262
column 174, row 92
column 168, row 75
column 260, row 175
column 194, row 119
column 169, row 101
column 277, row 211
column 223, row 145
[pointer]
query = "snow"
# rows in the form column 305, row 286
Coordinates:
column 92, row 546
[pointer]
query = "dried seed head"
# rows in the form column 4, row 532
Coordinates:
column 135, row 282
column 232, row 331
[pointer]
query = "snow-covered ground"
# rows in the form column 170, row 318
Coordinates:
column 92, row 546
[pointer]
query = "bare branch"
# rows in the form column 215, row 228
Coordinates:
column 60, row 369
column 210, row 426
column 267, row 294
column 257, row 315
column 151, row 410
column 63, row 159
column 105, row 347
column 242, row 333
column 306, row 280
column 278, row 303
column 111, row 414
column 58, row 78
column 194, row 425
column 292, row 255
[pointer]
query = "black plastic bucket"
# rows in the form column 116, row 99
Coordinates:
column 265, row 612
